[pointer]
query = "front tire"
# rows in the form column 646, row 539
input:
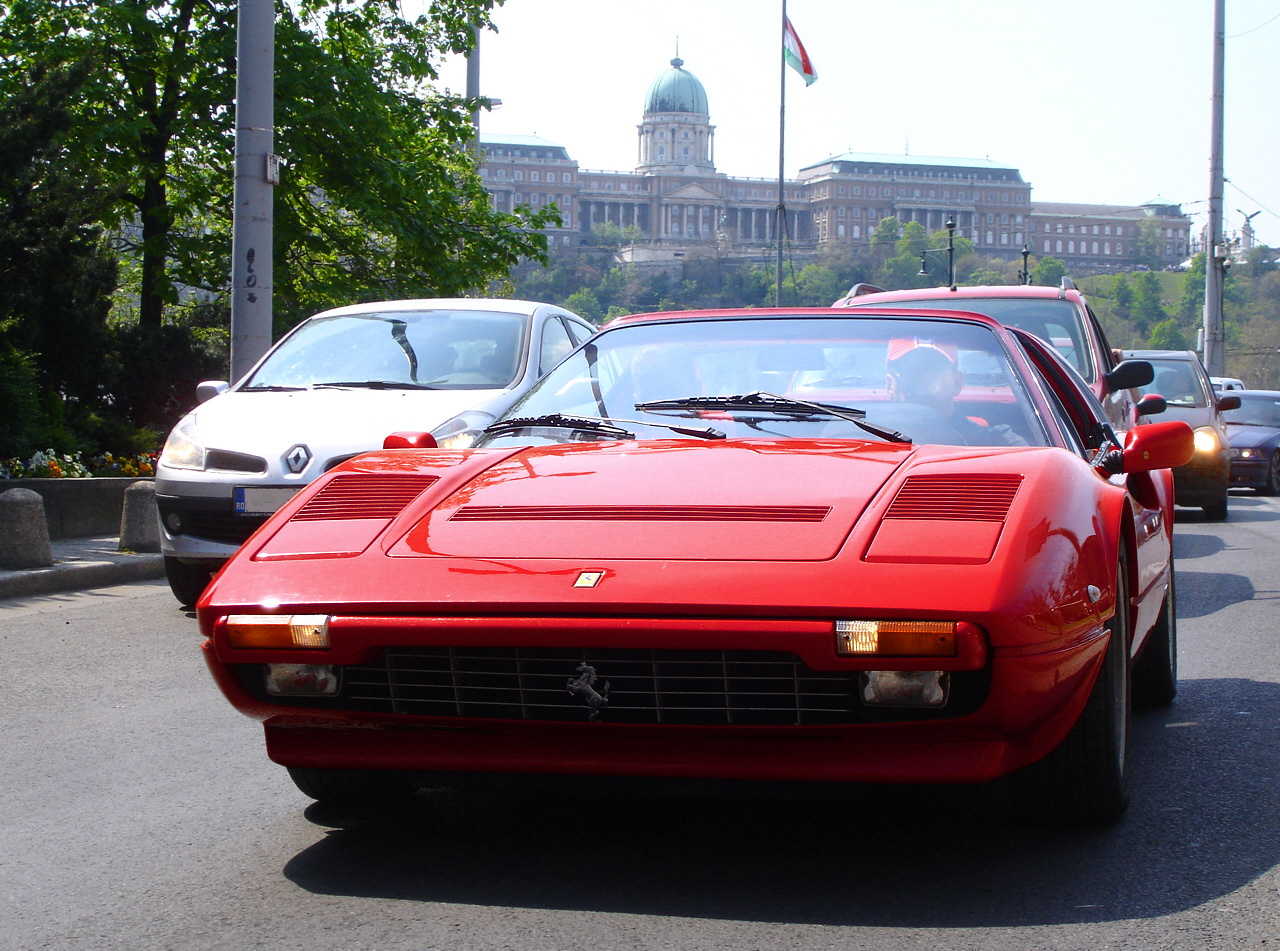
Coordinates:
column 1085, row 781
column 1155, row 676
column 1272, row 485
column 1217, row 512
column 187, row 581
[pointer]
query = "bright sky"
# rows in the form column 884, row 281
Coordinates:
column 1102, row 101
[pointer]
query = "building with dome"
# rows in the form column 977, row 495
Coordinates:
column 678, row 200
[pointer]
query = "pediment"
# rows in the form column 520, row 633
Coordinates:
column 693, row 192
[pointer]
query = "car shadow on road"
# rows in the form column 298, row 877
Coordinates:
column 1203, row 823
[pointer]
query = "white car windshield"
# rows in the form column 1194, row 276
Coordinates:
column 432, row 349
column 803, row 376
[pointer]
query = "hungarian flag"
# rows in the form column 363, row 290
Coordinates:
column 794, row 53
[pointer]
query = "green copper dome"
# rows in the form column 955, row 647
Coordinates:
column 676, row 90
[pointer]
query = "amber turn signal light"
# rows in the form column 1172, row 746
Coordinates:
column 271, row 631
column 896, row 638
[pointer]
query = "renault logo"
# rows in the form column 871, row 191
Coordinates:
column 297, row 458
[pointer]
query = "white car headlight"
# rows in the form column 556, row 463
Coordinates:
column 462, row 430
column 181, row 449
column 1206, row 440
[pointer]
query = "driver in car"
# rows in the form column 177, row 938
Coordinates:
column 926, row 374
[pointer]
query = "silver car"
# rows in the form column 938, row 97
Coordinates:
column 333, row 387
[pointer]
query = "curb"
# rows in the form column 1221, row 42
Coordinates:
column 81, row 563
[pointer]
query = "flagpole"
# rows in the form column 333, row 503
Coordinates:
column 782, row 138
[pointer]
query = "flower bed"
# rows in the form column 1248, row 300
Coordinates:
column 52, row 465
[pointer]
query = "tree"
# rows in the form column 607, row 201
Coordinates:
column 1191, row 305
column 914, row 239
column 378, row 198
column 56, row 279
column 1147, row 244
column 1148, row 309
column 1049, row 271
column 1167, row 335
column 1122, row 294
column 884, row 238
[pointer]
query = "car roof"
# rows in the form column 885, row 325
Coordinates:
column 500, row 304
column 764, row 313
column 1188, row 355
column 985, row 290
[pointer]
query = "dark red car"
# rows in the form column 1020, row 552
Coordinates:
column 1060, row 316
column 823, row 545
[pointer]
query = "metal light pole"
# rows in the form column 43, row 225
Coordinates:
column 256, row 171
column 1217, row 259
column 951, row 254
column 1024, row 276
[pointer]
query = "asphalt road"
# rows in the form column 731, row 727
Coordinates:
column 138, row 811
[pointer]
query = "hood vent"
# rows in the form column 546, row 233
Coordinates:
column 977, row 498
column 632, row 513
column 363, row 496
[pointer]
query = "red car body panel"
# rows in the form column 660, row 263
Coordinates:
column 740, row 544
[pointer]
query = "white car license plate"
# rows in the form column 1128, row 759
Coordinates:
column 251, row 500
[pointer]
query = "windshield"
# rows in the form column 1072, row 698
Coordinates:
column 1255, row 410
column 432, row 349
column 917, row 380
column 1056, row 322
column 1178, row 382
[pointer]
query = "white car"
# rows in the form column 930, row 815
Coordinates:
column 333, row 387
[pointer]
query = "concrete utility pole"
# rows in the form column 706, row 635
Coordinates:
column 1216, row 258
column 256, row 171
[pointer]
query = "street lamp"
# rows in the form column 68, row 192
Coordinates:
column 1024, row 276
column 951, row 254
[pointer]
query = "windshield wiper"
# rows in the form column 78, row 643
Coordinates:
column 273, row 388
column 773, row 403
column 375, row 385
column 599, row 425
column 588, row 424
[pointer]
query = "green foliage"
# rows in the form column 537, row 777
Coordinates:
column 1122, row 294
column 584, row 303
column 378, row 198
column 610, row 235
column 914, row 240
column 1191, row 305
column 1167, row 335
column 1048, row 271
column 1147, row 244
column 886, row 235
column 1148, row 308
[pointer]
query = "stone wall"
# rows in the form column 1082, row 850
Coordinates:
column 75, row 508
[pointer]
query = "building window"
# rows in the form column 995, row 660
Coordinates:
column 841, row 190
column 551, row 177
column 857, row 212
column 1059, row 247
column 857, row 190
column 1106, row 247
column 857, row 231
column 1046, row 245
column 533, row 176
column 1004, row 197
column 840, row 231
column 871, row 192
column 840, row 213
column 519, row 175
column 1071, row 247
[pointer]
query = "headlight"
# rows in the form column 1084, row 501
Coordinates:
column 461, row 431
column 181, row 450
column 1206, row 440
column 1243, row 453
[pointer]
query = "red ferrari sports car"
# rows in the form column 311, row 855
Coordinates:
column 824, row 545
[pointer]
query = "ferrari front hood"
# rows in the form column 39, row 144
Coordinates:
column 738, row 500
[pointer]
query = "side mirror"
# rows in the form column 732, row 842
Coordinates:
column 1228, row 402
column 1151, row 404
column 409, row 441
column 1130, row 375
column 208, row 389
column 1158, row 446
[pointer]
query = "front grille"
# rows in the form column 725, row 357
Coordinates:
column 224, row 527
column 229, row 461
column 687, row 687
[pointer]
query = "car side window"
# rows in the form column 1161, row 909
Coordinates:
column 579, row 332
column 1080, row 416
column 1108, row 355
column 556, row 344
